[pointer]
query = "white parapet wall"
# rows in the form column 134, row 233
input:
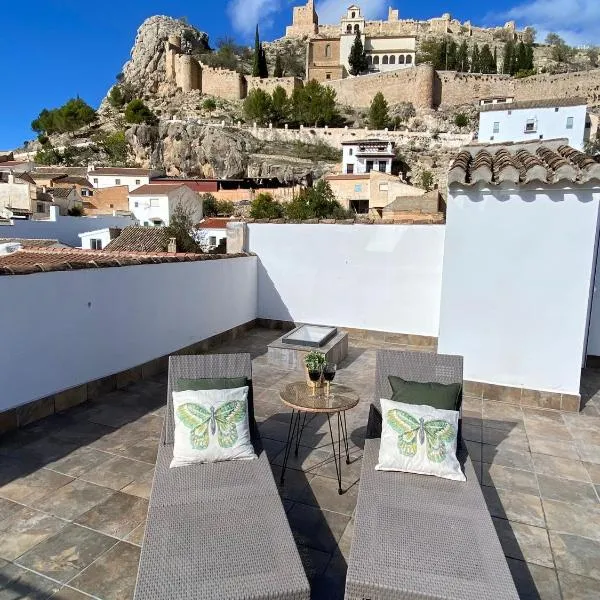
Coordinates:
column 378, row 277
column 64, row 229
column 518, row 273
column 71, row 327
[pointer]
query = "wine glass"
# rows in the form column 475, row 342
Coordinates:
column 329, row 375
column 314, row 375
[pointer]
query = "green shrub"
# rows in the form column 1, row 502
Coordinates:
column 461, row 119
column 264, row 207
column 137, row 112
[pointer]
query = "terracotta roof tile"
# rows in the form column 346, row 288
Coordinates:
column 140, row 239
column 153, row 189
column 33, row 243
column 214, row 223
column 131, row 172
column 520, row 163
column 542, row 103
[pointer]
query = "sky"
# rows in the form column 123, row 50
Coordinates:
column 63, row 48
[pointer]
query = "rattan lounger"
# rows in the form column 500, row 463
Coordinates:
column 418, row 537
column 216, row 531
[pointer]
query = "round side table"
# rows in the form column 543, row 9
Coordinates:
column 299, row 397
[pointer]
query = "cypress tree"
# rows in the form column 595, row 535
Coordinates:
column 358, row 57
column 378, row 113
column 495, row 65
column 530, row 66
column 508, row 58
column 278, row 71
column 263, row 67
column 451, row 56
column 462, row 57
column 257, row 55
column 475, row 60
column 522, row 58
column 486, row 59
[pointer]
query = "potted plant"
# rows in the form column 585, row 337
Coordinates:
column 314, row 361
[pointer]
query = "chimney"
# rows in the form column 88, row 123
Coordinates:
column 11, row 177
column 172, row 247
column 90, row 168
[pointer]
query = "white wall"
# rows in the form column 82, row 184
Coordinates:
column 516, row 285
column 105, row 181
column 144, row 211
column 379, row 277
column 550, row 123
column 102, row 234
column 64, row 229
column 113, row 319
column 593, row 342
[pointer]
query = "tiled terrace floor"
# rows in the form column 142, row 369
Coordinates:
column 74, row 488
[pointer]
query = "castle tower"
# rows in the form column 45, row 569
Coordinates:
column 393, row 14
column 188, row 73
column 424, row 82
column 172, row 50
column 305, row 21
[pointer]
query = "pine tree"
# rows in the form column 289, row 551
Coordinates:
column 257, row 55
column 522, row 58
column 263, row 67
column 495, row 65
column 530, row 65
column 486, row 59
column 508, row 58
column 475, row 60
column 358, row 57
column 278, row 71
column 462, row 58
column 378, row 113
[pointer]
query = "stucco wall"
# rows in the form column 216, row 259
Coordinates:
column 516, row 285
column 378, row 277
column 113, row 319
column 64, row 229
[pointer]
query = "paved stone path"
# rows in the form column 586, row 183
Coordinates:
column 74, row 487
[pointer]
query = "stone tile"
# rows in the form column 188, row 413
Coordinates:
column 117, row 516
column 576, row 554
column 137, row 535
column 117, row 472
column 314, row 561
column 570, row 402
column 272, row 447
column 307, row 459
column 8, row 509
column 315, row 528
column 67, row 593
column 350, row 472
column 473, row 388
column 24, row 529
column 524, row 542
column 79, row 461
column 33, row 411
column 560, row 467
column 323, row 492
column 536, row 398
column 474, row 449
column 141, row 487
column 553, row 431
column 8, row 420
column 74, row 499
column 294, row 484
column 575, row 587
column 562, row 449
column 507, row 478
column 20, row 584
column 34, row 486
column 515, row 439
column 574, row 492
column 472, row 433
column 589, row 452
column 573, row 519
column 501, row 393
column 41, row 451
column 69, row 398
column 593, row 471
column 81, row 432
column 514, row 506
column 113, row 575
column 534, row 582
column 114, row 413
column 507, row 458
column 62, row 556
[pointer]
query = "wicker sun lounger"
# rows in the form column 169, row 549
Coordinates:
column 418, row 537
column 216, row 530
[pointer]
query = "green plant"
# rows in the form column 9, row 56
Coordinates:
column 181, row 227
column 378, row 113
column 209, row 105
column 461, row 119
column 425, row 181
column 259, row 63
column 278, row 70
column 358, row 57
column 317, row 202
column 70, row 117
column 314, row 104
column 264, row 207
column 315, row 360
column 280, row 105
column 137, row 112
column 76, row 211
column 258, row 106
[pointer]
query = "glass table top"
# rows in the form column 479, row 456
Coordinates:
column 314, row 336
column 299, row 396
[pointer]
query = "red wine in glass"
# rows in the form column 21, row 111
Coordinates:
column 329, row 374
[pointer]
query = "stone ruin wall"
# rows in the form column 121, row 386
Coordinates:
column 223, row 83
column 453, row 89
column 289, row 84
column 564, row 85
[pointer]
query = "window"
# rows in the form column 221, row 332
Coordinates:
column 569, row 122
column 356, row 28
column 401, row 59
column 212, row 240
column 496, row 127
column 95, row 180
column 349, row 28
column 376, row 60
column 385, row 60
column 369, row 166
column 96, row 244
column 351, row 151
column 360, row 207
column 40, row 207
column 556, row 109
column 117, row 182
column 138, row 181
column 349, row 169
column 154, row 202
column 409, row 59
column 382, row 166
column 327, row 75
column 384, row 187
column 509, row 113
column 392, row 60
column 146, row 223
column 136, row 204
column 353, row 14
column 328, row 51
column 358, row 188
column 530, row 126
column 111, row 205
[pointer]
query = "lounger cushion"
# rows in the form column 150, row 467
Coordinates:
column 437, row 395
column 211, row 383
column 419, row 439
column 211, row 426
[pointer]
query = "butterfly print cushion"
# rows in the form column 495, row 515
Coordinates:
column 211, row 426
column 419, row 439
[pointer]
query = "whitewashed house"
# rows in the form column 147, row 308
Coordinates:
column 99, row 239
column 153, row 205
column 534, row 120
column 364, row 156
column 210, row 232
column 104, row 177
column 521, row 241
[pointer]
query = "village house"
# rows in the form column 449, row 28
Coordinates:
column 152, row 205
column 212, row 232
column 98, row 239
column 21, row 198
column 364, row 156
column 103, row 177
column 107, row 201
column 535, row 120
column 66, row 198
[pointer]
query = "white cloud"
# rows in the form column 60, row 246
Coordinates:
column 245, row 14
column 331, row 11
column 574, row 20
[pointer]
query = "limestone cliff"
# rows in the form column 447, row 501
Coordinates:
column 193, row 149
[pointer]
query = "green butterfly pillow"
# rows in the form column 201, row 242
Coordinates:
column 419, row 439
column 211, row 425
column 436, row 395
